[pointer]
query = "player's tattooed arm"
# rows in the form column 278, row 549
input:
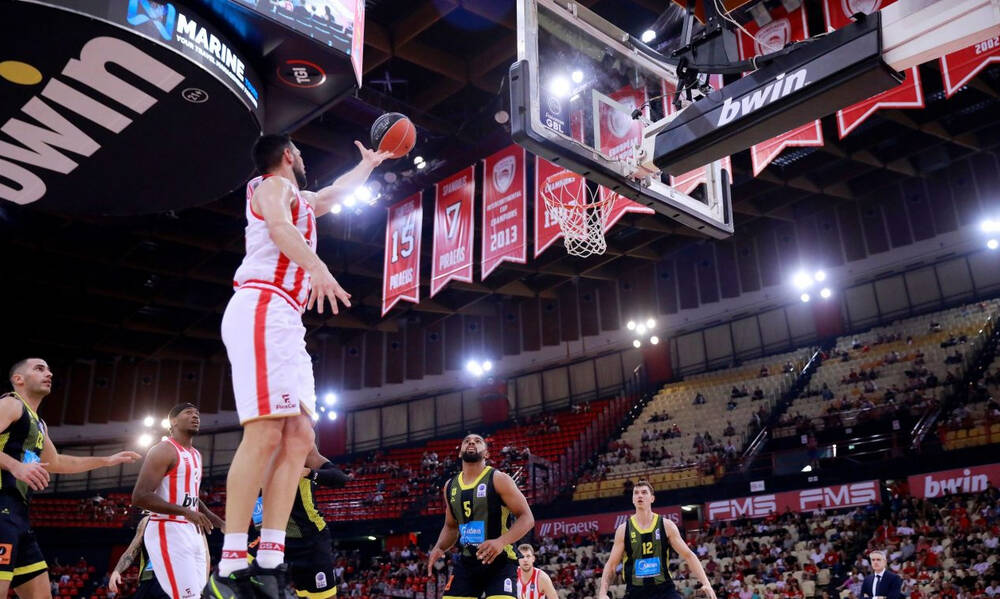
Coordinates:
column 133, row 548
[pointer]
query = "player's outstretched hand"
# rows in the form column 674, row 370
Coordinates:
column 34, row 475
column 200, row 520
column 372, row 158
column 122, row 457
column 433, row 557
column 113, row 581
column 489, row 550
column 325, row 287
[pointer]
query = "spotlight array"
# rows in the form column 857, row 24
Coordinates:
column 478, row 368
column 804, row 282
column 642, row 330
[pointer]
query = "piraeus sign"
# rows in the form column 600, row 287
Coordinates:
column 595, row 523
column 806, row 500
column 121, row 107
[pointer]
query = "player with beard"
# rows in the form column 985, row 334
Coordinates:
column 532, row 582
column 27, row 456
column 642, row 545
column 169, row 486
column 280, row 277
column 479, row 505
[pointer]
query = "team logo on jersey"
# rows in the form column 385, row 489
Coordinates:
column 773, row 36
column 481, row 490
column 656, row 534
column 321, row 580
column 503, row 173
column 454, row 491
column 508, row 586
column 852, row 7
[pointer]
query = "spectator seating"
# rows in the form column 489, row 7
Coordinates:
column 666, row 431
column 914, row 360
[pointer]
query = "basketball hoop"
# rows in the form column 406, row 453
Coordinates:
column 580, row 211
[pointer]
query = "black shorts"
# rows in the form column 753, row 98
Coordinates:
column 21, row 558
column 663, row 591
column 310, row 565
column 470, row 579
column 150, row 589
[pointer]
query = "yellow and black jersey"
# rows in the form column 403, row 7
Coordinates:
column 479, row 510
column 647, row 555
column 23, row 440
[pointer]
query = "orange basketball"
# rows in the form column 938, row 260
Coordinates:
column 394, row 133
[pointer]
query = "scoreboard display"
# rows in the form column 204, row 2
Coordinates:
column 329, row 22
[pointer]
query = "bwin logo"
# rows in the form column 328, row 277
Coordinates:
column 782, row 86
column 163, row 16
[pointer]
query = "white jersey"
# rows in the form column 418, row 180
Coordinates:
column 265, row 266
column 182, row 483
column 528, row 586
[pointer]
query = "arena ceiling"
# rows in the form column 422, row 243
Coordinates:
column 156, row 286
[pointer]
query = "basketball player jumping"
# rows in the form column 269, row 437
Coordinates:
column 280, row 277
column 645, row 540
column 168, row 486
column 479, row 502
column 27, row 456
column 532, row 582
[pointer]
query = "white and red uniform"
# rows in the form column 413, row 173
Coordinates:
column 262, row 326
column 528, row 587
column 177, row 548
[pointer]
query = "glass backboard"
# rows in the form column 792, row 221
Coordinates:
column 578, row 84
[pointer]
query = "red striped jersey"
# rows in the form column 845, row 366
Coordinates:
column 264, row 265
column 182, row 483
column 527, row 587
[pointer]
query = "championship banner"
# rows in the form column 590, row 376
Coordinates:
column 959, row 67
column 784, row 28
column 617, row 134
column 602, row 524
column 805, row 500
column 973, row 479
column 690, row 180
column 547, row 229
column 401, row 266
column 451, row 258
column 505, row 222
column 906, row 95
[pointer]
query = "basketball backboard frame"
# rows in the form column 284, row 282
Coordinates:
column 710, row 212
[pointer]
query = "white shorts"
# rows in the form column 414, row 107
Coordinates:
column 265, row 340
column 179, row 554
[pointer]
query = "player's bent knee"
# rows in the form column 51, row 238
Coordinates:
column 299, row 435
column 262, row 435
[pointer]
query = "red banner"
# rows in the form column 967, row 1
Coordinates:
column 959, row 67
column 906, row 95
column 451, row 258
column 547, row 229
column 401, row 266
column 505, row 222
column 973, row 479
column 618, row 134
column 602, row 524
column 784, row 28
column 805, row 500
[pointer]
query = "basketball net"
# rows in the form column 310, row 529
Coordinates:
column 580, row 212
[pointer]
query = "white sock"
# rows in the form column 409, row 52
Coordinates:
column 234, row 553
column 271, row 551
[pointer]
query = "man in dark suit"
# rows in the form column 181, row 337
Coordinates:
column 882, row 582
